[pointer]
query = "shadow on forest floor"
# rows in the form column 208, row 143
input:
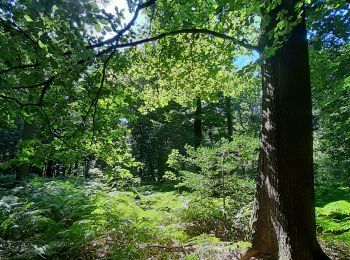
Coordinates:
column 329, row 193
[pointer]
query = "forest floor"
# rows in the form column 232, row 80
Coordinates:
column 75, row 219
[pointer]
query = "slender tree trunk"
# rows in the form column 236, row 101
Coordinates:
column 283, row 214
column 151, row 168
column 70, row 169
column 41, row 171
column 49, row 169
column 211, row 136
column 86, row 167
column 90, row 163
column 146, row 147
column 76, row 168
column 55, row 168
column 228, row 112
column 28, row 133
column 197, row 126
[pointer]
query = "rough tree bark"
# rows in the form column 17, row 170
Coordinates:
column 197, row 125
column 283, row 215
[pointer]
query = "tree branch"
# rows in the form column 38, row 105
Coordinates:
column 242, row 43
column 126, row 28
column 45, row 89
column 17, row 29
column 55, row 133
column 17, row 101
column 20, row 67
column 94, row 102
column 105, row 64
column 44, row 83
column 12, row 99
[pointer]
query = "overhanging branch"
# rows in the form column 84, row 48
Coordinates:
column 242, row 43
column 11, row 99
column 116, row 38
column 95, row 103
column 44, row 83
column 45, row 89
column 17, row 101
column 23, row 66
column 14, row 28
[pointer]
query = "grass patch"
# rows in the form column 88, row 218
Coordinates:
column 333, row 221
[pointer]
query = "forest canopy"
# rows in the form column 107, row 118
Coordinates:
column 208, row 129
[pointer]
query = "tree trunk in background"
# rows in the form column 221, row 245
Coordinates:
column 64, row 169
column 90, row 163
column 283, row 214
column 228, row 112
column 28, row 133
column 57, row 169
column 50, row 169
column 86, row 167
column 197, row 126
column 76, row 168
column 145, row 147
column 70, row 169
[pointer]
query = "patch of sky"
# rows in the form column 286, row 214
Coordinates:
column 122, row 5
column 110, row 6
column 246, row 59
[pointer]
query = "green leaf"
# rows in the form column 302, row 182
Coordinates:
column 97, row 27
column 42, row 45
column 27, row 18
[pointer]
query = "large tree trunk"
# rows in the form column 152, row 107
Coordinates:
column 197, row 125
column 283, row 214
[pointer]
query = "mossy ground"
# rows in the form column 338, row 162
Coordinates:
column 333, row 219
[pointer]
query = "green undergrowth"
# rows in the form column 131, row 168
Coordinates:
column 76, row 219
column 333, row 215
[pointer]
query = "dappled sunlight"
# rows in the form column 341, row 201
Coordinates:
column 165, row 129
